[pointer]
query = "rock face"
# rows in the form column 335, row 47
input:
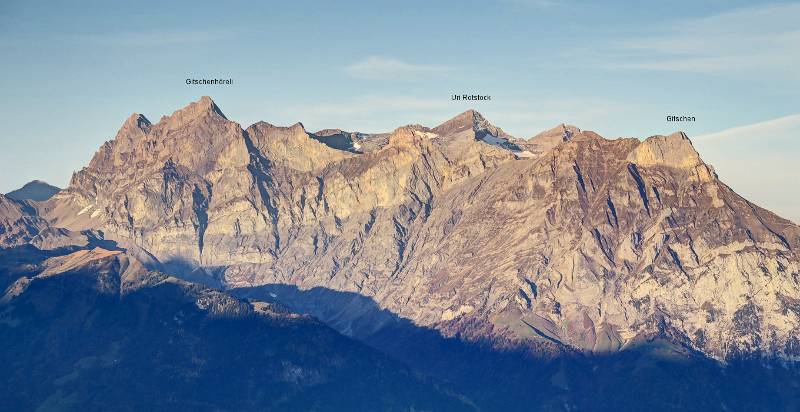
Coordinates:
column 95, row 330
column 567, row 240
column 20, row 224
column 34, row 190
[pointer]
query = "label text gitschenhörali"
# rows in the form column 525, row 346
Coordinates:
column 210, row 82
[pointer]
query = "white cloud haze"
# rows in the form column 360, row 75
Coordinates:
column 759, row 161
column 379, row 67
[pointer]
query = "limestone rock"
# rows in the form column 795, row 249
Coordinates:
column 587, row 242
column 20, row 224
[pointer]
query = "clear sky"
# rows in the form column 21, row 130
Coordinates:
column 71, row 73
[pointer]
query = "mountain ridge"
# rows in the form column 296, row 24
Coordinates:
column 450, row 225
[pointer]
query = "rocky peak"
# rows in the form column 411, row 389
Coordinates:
column 459, row 123
column 136, row 120
column 469, row 120
column 262, row 128
column 551, row 138
column 136, row 125
column 329, row 132
column 563, row 132
column 203, row 108
column 423, row 218
column 291, row 146
column 675, row 150
column 410, row 135
column 21, row 224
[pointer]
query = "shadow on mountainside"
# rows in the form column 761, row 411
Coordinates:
column 75, row 342
column 24, row 261
column 656, row 375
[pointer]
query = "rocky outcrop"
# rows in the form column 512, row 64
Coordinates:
column 548, row 139
column 20, row 224
column 582, row 242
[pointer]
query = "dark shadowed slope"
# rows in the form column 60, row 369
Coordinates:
column 655, row 374
column 95, row 331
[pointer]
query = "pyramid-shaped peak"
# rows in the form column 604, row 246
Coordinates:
column 136, row 120
column 207, row 103
column 205, row 106
column 468, row 120
column 34, row 190
column 475, row 115
column 37, row 182
column 135, row 124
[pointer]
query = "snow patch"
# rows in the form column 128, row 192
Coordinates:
column 524, row 154
column 428, row 135
column 85, row 209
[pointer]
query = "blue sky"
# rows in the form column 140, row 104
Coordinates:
column 72, row 73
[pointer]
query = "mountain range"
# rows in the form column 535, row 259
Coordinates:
column 482, row 271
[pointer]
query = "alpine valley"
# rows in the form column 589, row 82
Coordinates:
column 194, row 264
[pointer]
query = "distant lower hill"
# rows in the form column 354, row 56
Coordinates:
column 34, row 190
column 94, row 330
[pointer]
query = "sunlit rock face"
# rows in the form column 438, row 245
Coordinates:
column 567, row 240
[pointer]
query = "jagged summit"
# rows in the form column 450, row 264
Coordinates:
column 469, row 120
column 439, row 215
column 137, row 120
column 207, row 104
column 135, row 124
column 203, row 107
column 585, row 245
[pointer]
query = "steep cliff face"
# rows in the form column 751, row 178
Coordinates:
column 18, row 225
column 580, row 242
